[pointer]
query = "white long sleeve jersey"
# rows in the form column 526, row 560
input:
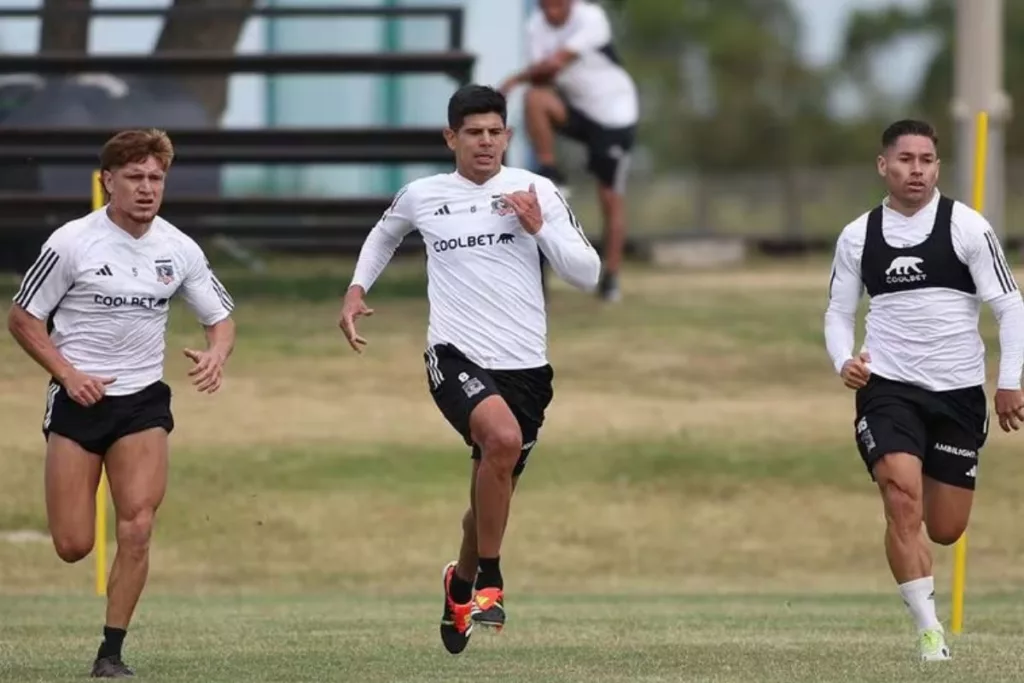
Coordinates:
column 483, row 269
column 106, row 295
column 595, row 83
column 917, row 332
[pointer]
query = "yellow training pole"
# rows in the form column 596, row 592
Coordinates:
column 960, row 548
column 101, row 489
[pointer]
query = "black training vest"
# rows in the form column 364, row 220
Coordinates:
column 931, row 264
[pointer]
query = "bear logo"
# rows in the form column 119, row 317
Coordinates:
column 904, row 265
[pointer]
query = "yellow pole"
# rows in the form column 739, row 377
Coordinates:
column 960, row 549
column 101, row 489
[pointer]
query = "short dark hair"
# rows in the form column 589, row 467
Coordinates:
column 135, row 146
column 908, row 127
column 475, row 99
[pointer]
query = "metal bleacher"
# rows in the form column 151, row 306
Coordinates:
column 338, row 223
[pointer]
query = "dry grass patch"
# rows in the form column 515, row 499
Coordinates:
column 690, row 445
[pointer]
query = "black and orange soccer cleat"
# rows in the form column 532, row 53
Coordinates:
column 456, row 621
column 489, row 609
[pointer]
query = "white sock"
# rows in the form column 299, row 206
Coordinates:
column 919, row 596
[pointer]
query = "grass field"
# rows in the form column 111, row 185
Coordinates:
column 695, row 510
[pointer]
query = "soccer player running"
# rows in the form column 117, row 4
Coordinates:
column 92, row 311
column 927, row 263
column 484, row 227
column 578, row 88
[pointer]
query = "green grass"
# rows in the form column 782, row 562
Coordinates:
column 698, row 445
column 783, row 639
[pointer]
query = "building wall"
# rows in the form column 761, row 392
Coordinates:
column 493, row 32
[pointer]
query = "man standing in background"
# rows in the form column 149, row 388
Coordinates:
column 579, row 89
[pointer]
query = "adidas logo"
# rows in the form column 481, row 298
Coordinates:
column 443, row 211
column 105, row 270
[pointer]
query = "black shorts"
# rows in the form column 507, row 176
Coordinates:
column 458, row 385
column 97, row 427
column 946, row 429
column 607, row 148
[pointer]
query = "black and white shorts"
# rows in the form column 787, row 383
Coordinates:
column 608, row 149
column 946, row 429
column 97, row 427
column 458, row 385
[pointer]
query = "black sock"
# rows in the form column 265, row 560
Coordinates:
column 113, row 638
column 490, row 574
column 460, row 589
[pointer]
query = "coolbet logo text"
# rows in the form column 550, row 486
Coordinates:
column 473, row 241
column 129, row 301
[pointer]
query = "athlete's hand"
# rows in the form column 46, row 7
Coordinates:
column 208, row 371
column 1010, row 408
column 507, row 86
column 855, row 372
column 527, row 209
column 351, row 308
column 86, row 390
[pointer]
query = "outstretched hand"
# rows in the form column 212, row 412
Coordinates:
column 526, row 206
column 352, row 308
column 208, row 372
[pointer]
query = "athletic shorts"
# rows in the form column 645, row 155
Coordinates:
column 946, row 429
column 458, row 385
column 97, row 427
column 607, row 148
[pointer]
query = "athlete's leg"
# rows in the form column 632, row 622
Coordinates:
column 70, row 479
column 544, row 111
column 469, row 560
column 947, row 509
column 901, row 483
column 459, row 578
column 951, row 472
column 137, row 470
column 609, row 159
column 893, row 437
column 496, row 431
column 613, row 208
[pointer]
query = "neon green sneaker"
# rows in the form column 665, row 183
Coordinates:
column 932, row 643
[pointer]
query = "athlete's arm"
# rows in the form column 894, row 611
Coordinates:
column 593, row 32
column 42, row 289
column 204, row 294
column 977, row 246
column 208, row 371
column 212, row 305
column 563, row 241
column 382, row 241
column 31, row 335
column 845, row 289
column 374, row 256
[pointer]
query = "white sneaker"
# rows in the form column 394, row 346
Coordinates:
column 932, row 643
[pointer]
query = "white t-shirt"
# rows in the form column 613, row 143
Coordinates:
column 595, row 83
column 928, row 337
column 109, row 293
column 483, row 269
